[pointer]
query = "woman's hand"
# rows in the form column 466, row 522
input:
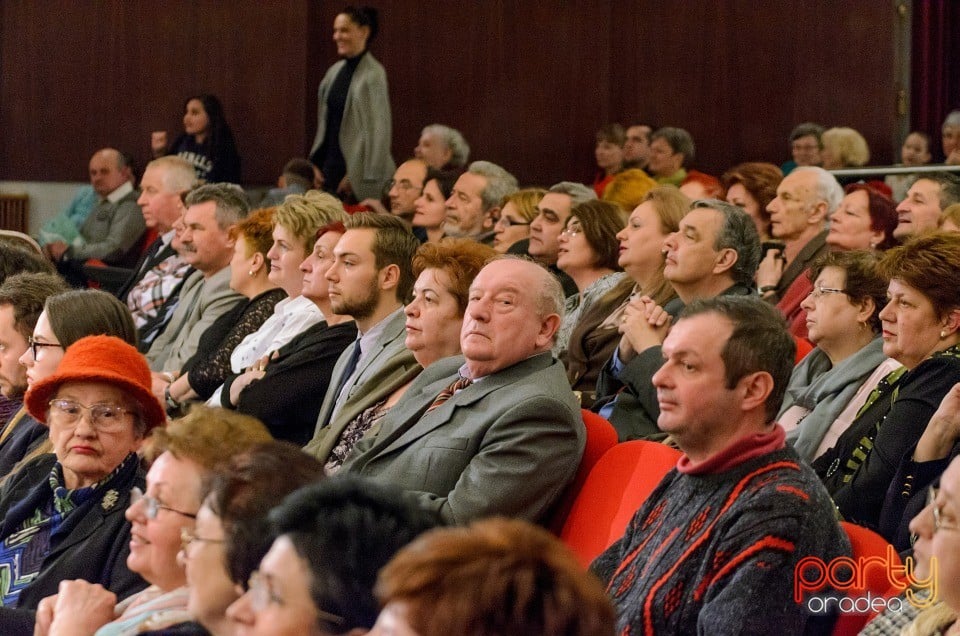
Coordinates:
column 644, row 324
column 942, row 431
column 158, row 142
column 78, row 608
column 256, row 371
column 771, row 269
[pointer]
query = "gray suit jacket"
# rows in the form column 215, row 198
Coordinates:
column 506, row 445
column 386, row 368
column 202, row 301
column 366, row 127
column 111, row 231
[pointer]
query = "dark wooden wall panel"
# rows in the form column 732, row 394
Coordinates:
column 528, row 83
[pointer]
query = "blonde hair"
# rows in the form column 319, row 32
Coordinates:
column 304, row 214
column 848, row 145
column 525, row 201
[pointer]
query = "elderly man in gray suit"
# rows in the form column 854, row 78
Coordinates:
column 496, row 431
column 370, row 280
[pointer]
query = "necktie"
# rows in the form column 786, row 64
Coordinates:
column 447, row 393
column 350, row 368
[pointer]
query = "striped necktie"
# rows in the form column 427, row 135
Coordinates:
column 447, row 393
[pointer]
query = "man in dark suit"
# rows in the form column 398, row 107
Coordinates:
column 370, row 280
column 496, row 430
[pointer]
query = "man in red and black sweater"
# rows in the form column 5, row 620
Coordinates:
column 713, row 549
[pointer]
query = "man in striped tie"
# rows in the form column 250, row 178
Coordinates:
column 495, row 431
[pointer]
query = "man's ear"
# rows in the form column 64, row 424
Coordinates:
column 389, row 276
column 488, row 217
column 548, row 329
column 726, row 259
column 755, row 388
column 819, row 213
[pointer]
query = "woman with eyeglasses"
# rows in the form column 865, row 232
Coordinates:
column 62, row 513
column 186, row 453
column 588, row 252
column 66, row 318
column 921, row 330
column 517, row 212
column 833, row 381
column 935, row 530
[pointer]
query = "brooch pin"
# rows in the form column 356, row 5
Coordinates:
column 109, row 499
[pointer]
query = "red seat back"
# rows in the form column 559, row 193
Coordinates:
column 613, row 491
column 867, row 543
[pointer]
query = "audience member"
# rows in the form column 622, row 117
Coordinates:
column 636, row 148
column 552, row 212
column 185, row 454
column 588, row 253
column 752, row 186
column 805, row 200
column 628, row 188
column 609, row 155
column 22, row 298
column 285, row 389
column 15, row 259
column 950, row 138
column 713, row 253
column 65, row 226
column 518, row 432
column 430, row 209
column 699, row 185
column 212, row 212
column 865, row 219
column 833, row 381
column 435, row 315
column 671, row 151
column 401, row 192
column 113, row 228
column 714, row 547
column 295, row 226
column 476, row 200
column 595, row 336
column 66, row 317
column 250, row 270
column 806, row 144
column 843, row 148
column 354, row 127
column 153, row 290
column 497, row 577
column 296, row 178
column 517, row 211
column 921, row 330
column 442, row 148
column 332, row 537
column 914, row 152
column 370, row 280
column 206, row 143
column 63, row 512
column 926, row 199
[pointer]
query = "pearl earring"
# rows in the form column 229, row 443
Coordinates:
column 943, row 334
column 251, row 273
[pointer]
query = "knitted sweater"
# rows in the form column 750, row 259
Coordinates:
column 713, row 549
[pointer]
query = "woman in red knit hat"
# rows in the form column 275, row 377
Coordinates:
column 62, row 514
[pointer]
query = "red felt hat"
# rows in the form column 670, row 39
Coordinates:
column 100, row 359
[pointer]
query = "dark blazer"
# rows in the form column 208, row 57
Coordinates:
column 27, row 434
column 93, row 544
column 505, row 445
column 287, row 398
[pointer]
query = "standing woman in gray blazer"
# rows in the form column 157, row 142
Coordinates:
column 354, row 130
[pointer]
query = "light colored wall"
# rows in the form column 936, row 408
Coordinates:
column 47, row 199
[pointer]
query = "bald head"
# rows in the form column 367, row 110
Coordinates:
column 108, row 171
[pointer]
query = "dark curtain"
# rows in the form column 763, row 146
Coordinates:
column 935, row 85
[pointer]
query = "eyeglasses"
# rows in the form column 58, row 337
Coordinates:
column 820, row 290
column 35, row 345
column 154, row 506
column 188, row 536
column 403, row 184
column 262, row 595
column 938, row 523
column 106, row 418
column 507, row 222
column 572, row 230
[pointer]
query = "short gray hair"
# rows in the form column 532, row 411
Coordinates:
column 952, row 121
column 232, row 203
column 454, row 140
column 739, row 233
column 178, row 174
column 827, row 187
column 500, row 183
column 679, row 140
column 577, row 192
